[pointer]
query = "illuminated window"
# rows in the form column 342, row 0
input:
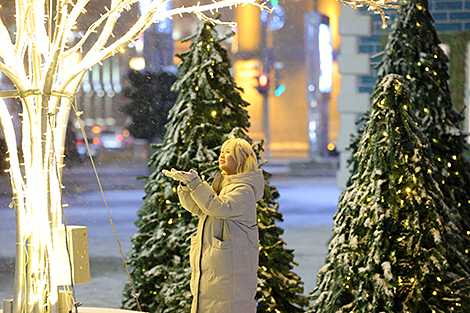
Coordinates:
column 326, row 58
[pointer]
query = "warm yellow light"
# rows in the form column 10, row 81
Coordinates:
column 137, row 64
column 331, row 146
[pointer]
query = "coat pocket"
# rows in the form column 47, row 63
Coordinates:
column 221, row 262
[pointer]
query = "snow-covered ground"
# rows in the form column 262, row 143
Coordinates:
column 308, row 205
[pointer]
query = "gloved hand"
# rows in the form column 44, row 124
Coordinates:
column 190, row 178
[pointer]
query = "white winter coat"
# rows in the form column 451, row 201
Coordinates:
column 224, row 251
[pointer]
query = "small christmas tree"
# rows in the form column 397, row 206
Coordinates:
column 151, row 100
column 394, row 246
column 208, row 108
column 413, row 52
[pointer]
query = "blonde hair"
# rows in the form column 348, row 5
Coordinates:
column 243, row 154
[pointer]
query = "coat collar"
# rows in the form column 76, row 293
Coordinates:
column 255, row 179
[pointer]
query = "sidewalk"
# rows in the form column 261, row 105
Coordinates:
column 307, row 203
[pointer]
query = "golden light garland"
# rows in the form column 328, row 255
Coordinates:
column 378, row 6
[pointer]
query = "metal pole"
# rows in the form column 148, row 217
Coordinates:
column 266, row 70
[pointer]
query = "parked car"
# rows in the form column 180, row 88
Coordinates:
column 112, row 140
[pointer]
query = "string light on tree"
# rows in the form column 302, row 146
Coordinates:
column 412, row 218
column 420, row 59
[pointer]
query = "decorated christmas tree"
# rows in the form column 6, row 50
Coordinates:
column 208, row 110
column 413, row 52
column 395, row 247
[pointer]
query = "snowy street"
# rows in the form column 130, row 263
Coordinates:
column 308, row 205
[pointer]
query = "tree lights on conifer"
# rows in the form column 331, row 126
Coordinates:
column 413, row 51
column 46, row 75
column 395, row 245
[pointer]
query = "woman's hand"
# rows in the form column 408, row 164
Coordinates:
column 183, row 177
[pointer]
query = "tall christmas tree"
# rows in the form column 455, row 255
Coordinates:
column 395, row 247
column 413, row 52
column 208, row 109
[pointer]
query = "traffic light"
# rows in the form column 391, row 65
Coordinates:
column 263, row 84
column 278, row 87
column 280, row 90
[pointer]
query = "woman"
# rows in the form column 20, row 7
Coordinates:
column 224, row 251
